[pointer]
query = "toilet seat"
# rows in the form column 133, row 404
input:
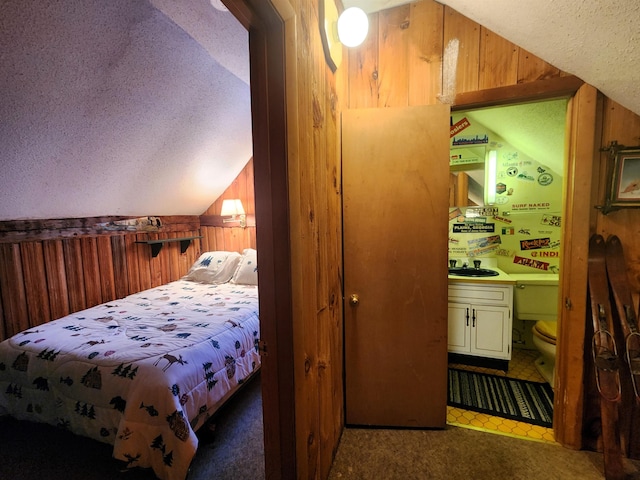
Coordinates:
column 545, row 331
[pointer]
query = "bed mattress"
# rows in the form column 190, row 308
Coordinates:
column 142, row 373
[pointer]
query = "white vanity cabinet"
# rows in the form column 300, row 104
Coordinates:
column 480, row 319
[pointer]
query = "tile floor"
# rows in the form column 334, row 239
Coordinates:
column 521, row 366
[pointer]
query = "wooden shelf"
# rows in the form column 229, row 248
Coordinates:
column 156, row 245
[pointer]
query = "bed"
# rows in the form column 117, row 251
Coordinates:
column 144, row 372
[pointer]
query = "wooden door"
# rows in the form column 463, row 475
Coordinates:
column 395, row 194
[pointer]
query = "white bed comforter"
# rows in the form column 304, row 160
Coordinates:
column 141, row 373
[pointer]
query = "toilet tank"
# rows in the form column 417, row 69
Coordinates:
column 535, row 296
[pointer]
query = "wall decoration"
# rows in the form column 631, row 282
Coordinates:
column 624, row 178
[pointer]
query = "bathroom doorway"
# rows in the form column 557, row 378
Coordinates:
column 510, row 217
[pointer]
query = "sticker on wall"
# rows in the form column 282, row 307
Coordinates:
column 512, row 171
column 459, row 126
column 545, row 254
column 502, row 219
column 474, row 227
column 482, row 212
column 531, row 206
column 551, row 220
column 471, row 140
column 530, row 262
column 545, row 179
column 524, row 231
column 535, row 243
column 525, row 176
column 503, row 252
column 455, row 213
column 508, row 231
column 482, row 246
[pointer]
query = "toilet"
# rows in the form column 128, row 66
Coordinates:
column 536, row 299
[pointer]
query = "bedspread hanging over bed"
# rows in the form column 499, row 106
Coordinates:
column 142, row 373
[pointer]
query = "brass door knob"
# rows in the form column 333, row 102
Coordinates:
column 354, row 299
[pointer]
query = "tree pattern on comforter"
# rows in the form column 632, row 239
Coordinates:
column 141, row 373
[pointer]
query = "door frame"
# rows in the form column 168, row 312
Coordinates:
column 580, row 154
column 271, row 26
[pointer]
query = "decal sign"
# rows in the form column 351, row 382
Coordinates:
column 530, row 262
column 535, row 243
column 459, row 126
column 473, row 227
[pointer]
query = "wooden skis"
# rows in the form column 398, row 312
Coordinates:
column 605, row 359
column 619, row 282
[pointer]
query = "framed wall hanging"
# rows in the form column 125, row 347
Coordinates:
column 624, row 178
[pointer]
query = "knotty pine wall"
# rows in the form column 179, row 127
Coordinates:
column 229, row 236
column 400, row 65
column 50, row 268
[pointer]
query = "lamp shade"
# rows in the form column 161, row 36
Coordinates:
column 353, row 26
column 231, row 207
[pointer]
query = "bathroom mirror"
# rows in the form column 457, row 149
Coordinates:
column 467, row 176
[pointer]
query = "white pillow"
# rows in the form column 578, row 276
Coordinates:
column 247, row 271
column 213, row 267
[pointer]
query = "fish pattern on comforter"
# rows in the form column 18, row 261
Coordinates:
column 142, row 373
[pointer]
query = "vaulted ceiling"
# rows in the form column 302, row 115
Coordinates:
column 142, row 108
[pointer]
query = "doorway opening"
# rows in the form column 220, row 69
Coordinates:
column 505, row 209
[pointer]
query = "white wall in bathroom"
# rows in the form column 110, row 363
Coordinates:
column 522, row 229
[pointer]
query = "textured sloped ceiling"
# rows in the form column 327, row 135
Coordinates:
column 111, row 108
column 142, row 108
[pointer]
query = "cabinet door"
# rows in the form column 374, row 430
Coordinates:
column 459, row 327
column 490, row 331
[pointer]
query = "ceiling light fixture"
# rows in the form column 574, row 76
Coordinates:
column 218, row 5
column 349, row 29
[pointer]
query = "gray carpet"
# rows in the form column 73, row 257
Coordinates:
column 231, row 449
column 458, row 454
column 39, row 452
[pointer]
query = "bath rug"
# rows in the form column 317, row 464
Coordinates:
column 521, row 400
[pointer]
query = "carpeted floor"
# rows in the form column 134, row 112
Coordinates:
column 233, row 450
column 458, row 454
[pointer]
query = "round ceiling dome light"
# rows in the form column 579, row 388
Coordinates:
column 353, row 26
column 218, row 5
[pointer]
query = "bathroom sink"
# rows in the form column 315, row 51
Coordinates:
column 472, row 272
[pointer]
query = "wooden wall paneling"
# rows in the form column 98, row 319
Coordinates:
column 120, row 270
column 568, row 398
column 144, row 262
column 56, row 278
column 14, row 298
column 3, row 327
column 330, row 358
column 91, row 267
column 249, row 189
column 364, row 82
column 467, row 32
column 154, row 264
column 206, row 240
column 218, row 239
column 498, row 61
column 131, row 261
column 425, row 52
column 105, row 264
column 393, row 52
column 532, row 68
column 35, row 283
column 75, row 271
column 164, row 260
column 623, row 126
column 305, row 238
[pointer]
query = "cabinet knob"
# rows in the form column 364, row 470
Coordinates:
column 354, row 299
